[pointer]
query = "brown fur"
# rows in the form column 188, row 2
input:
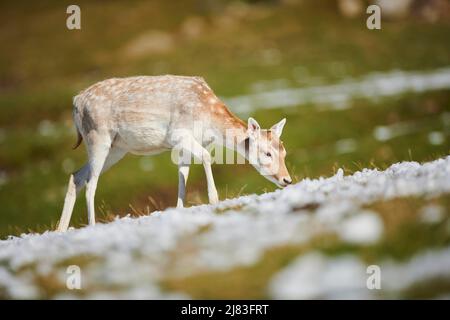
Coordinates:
column 221, row 115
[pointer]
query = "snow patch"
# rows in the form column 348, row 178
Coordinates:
column 315, row 275
column 372, row 86
column 364, row 228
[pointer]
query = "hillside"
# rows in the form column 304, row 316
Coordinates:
column 353, row 98
column 314, row 239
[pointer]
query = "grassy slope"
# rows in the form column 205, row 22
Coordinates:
column 405, row 236
column 46, row 64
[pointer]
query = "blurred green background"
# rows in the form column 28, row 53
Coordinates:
column 239, row 48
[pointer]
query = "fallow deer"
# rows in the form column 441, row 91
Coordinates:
column 147, row 115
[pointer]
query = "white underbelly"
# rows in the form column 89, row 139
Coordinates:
column 143, row 140
column 147, row 152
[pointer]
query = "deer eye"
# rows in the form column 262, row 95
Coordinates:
column 269, row 154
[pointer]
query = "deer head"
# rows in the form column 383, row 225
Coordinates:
column 266, row 152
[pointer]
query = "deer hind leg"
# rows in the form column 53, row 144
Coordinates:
column 114, row 155
column 101, row 158
column 76, row 182
column 98, row 153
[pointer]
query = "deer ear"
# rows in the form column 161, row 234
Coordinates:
column 253, row 128
column 278, row 128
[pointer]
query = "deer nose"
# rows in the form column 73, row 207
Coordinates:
column 287, row 180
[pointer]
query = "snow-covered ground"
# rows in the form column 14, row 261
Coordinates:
column 129, row 257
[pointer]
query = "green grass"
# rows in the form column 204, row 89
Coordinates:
column 46, row 64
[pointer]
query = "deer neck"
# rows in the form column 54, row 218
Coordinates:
column 234, row 135
column 231, row 129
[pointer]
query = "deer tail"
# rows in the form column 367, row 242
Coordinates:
column 79, row 140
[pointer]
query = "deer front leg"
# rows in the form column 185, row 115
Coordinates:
column 212, row 191
column 189, row 144
column 183, row 173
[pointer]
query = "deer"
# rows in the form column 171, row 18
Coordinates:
column 147, row 115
